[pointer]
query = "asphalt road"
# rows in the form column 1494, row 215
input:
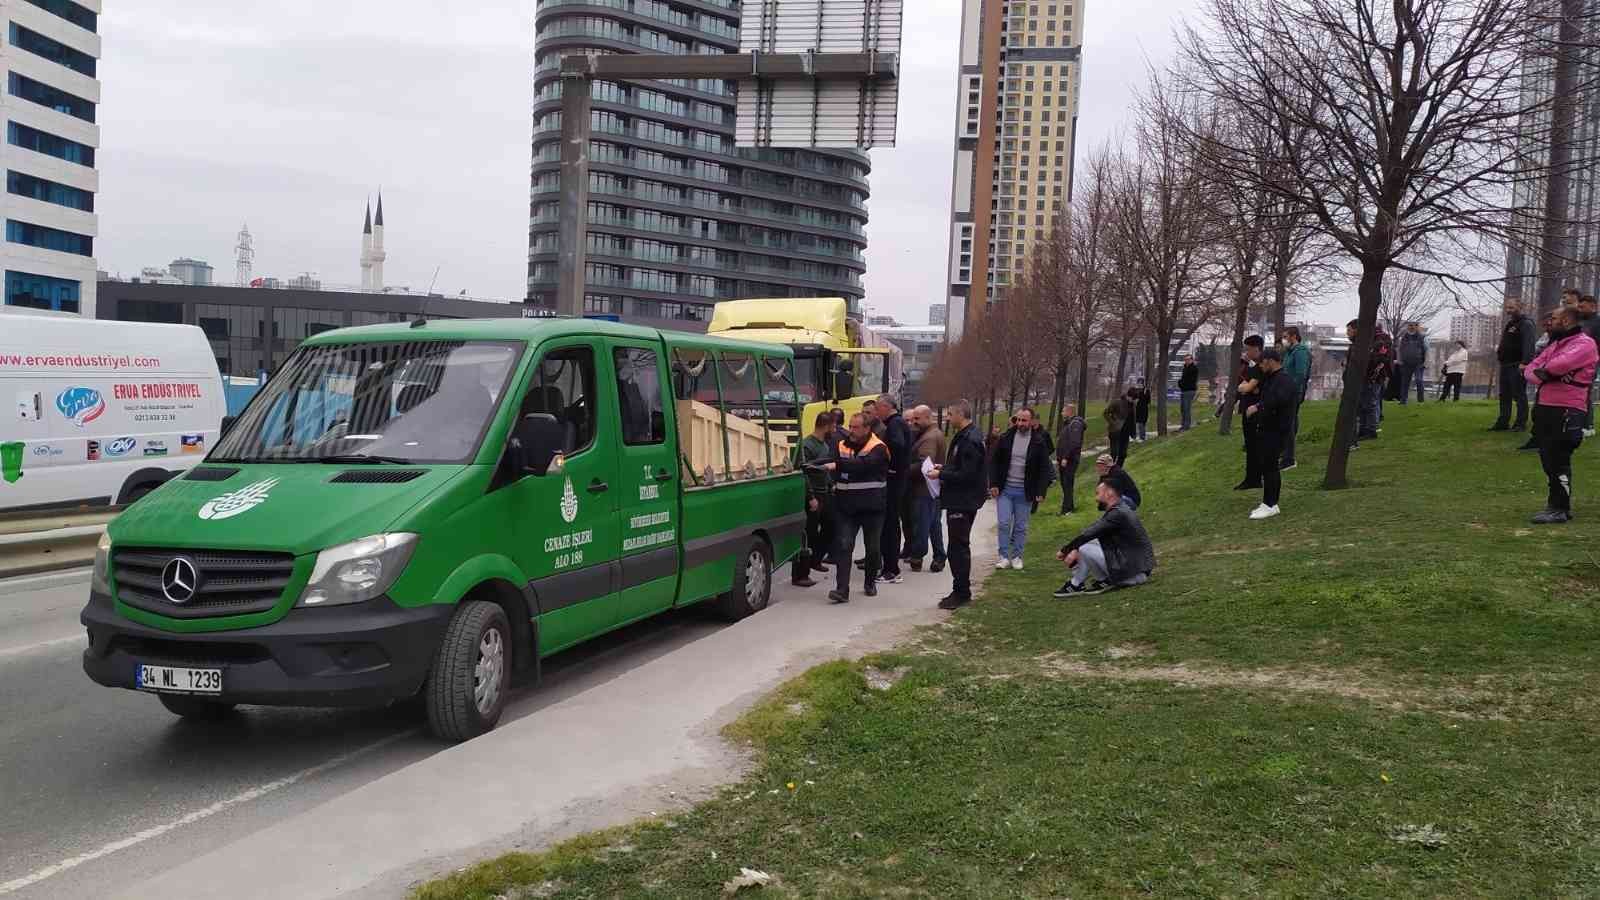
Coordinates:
column 104, row 793
column 85, row 769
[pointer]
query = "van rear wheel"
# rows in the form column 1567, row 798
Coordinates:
column 752, row 583
column 203, row 709
column 466, row 689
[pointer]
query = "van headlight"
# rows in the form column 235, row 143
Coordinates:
column 358, row 571
column 100, row 581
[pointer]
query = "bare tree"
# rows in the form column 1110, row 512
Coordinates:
column 1163, row 218
column 1411, row 297
column 1413, row 118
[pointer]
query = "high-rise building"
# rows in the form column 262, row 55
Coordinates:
column 936, row 314
column 1016, row 125
column 191, row 271
column 1477, row 330
column 1530, row 194
column 52, row 92
column 679, row 218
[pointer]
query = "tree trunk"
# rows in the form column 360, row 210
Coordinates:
column 1555, row 245
column 1162, row 361
column 1241, row 313
column 1083, row 382
column 993, row 400
column 1120, row 383
column 1280, row 285
column 1355, row 376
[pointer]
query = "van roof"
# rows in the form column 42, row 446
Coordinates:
column 533, row 331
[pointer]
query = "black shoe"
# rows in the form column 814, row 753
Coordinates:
column 1070, row 590
column 937, row 567
column 915, row 564
column 820, row 567
column 871, row 590
column 955, row 601
column 1519, row 428
column 1552, row 517
column 837, row 597
column 803, row 582
column 1499, row 428
column 1284, row 467
column 1247, row 486
column 1529, row 445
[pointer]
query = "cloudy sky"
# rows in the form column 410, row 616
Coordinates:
column 290, row 115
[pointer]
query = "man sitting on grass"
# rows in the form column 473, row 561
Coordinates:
column 1114, row 552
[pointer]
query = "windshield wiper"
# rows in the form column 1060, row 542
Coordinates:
column 356, row 458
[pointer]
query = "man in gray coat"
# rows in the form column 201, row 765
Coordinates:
column 1069, row 451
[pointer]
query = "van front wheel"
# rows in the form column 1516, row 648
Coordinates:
column 466, row 689
column 752, row 583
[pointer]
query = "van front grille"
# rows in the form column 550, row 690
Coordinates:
column 225, row 582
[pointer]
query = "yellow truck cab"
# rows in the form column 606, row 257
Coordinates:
column 833, row 365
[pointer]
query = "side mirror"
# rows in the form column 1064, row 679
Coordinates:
column 227, row 426
column 535, row 442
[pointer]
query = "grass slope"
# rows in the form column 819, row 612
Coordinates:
column 1387, row 691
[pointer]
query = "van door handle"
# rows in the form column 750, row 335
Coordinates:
column 663, row 475
column 598, row 487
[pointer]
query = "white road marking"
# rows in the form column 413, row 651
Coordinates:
column 29, row 648
column 255, row 793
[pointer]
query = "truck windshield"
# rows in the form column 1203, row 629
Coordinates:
column 808, row 378
column 403, row 402
column 860, row 374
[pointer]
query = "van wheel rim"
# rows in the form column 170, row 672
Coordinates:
column 755, row 578
column 491, row 668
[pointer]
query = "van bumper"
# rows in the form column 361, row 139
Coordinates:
column 367, row 654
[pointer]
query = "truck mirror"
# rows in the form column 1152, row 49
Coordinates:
column 227, row 426
column 535, row 443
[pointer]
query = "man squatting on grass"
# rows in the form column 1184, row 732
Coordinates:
column 1113, row 552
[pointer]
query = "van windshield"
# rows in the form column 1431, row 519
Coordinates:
column 403, row 402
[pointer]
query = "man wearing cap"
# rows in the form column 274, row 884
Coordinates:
column 1273, row 417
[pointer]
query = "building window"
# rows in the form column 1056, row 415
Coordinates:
column 81, row 16
column 55, row 98
column 42, row 292
column 51, row 49
column 48, row 144
column 150, row 311
column 49, row 238
column 237, row 335
column 49, row 191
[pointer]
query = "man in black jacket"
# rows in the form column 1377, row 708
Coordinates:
column 861, row 469
column 963, row 486
column 1019, row 474
column 1118, row 477
column 1249, row 397
column 897, row 436
column 1515, row 351
column 1188, row 386
column 1274, row 417
column 1069, row 451
column 1115, row 551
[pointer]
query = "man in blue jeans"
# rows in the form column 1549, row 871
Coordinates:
column 927, row 443
column 1019, row 475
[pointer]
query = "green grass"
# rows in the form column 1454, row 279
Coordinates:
column 1386, row 691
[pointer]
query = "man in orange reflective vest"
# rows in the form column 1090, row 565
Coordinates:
column 861, row 476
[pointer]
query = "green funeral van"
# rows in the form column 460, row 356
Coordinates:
column 426, row 510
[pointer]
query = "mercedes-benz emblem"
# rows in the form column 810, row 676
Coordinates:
column 180, row 580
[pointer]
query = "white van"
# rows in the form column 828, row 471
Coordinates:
column 100, row 413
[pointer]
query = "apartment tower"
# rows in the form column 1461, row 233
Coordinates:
column 1016, row 127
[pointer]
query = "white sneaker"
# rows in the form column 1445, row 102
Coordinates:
column 1264, row 512
column 1017, row 564
column 1002, row 563
column 1588, row 432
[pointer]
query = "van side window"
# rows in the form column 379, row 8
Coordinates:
column 639, row 390
column 563, row 386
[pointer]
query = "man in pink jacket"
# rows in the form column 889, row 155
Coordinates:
column 1562, row 372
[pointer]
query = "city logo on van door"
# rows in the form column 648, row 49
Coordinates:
column 569, row 503
column 80, row 405
column 235, row 502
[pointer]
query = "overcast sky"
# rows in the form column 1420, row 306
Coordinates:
column 290, row 116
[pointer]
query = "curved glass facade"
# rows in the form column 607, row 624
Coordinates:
column 679, row 218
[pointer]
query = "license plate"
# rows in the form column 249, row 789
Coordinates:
column 169, row 680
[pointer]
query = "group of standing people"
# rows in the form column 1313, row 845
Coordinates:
column 1560, row 365
column 1272, row 387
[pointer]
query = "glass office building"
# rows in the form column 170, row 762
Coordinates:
column 679, row 218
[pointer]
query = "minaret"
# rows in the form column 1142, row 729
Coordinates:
column 378, row 255
column 366, row 251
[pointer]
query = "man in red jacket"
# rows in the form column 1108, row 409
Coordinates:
column 1563, row 373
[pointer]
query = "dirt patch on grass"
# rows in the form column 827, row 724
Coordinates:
column 1492, row 698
